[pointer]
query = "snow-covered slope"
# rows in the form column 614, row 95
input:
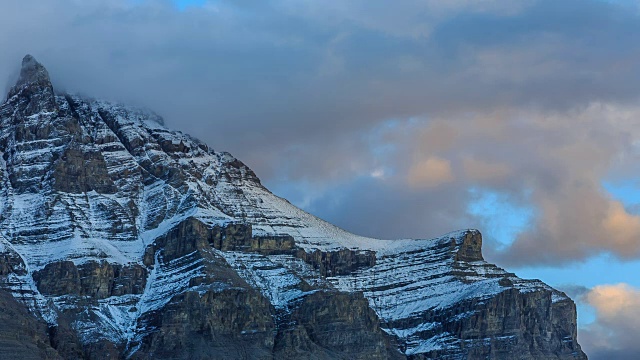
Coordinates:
column 107, row 218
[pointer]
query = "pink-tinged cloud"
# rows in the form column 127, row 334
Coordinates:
column 614, row 333
column 431, row 172
column 623, row 228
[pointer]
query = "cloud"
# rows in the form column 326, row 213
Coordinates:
column 549, row 164
column 482, row 170
column 430, row 172
column 623, row 227
column 554, row 162
column 576, row 292
column 389, row 209
column 614, row 333
column 533, row 99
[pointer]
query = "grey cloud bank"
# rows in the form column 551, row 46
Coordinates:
column 532, row 97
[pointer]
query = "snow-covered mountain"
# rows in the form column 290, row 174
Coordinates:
column 130, row 240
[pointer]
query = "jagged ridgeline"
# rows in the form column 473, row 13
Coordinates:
column 122, row 239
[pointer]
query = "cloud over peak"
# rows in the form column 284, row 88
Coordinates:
column 532, row 99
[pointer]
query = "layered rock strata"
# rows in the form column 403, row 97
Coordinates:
column 121, row 239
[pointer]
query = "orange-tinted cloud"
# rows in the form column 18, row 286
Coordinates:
column 431, row 172
column 614, row 334
column 623, row 229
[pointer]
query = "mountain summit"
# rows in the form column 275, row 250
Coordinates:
column 33, row 73
column 34, row 84
column 122, row 239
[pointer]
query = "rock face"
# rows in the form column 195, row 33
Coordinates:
column 121, row 239
column 98, row 280
column 338, row 262
column 22, row 336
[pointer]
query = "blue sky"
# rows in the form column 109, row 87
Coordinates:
column 183, row 4
column 502, row 221
column 626, row 191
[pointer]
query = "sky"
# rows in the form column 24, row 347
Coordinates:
column 404, row 119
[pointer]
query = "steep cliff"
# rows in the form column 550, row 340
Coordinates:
column 122, row 239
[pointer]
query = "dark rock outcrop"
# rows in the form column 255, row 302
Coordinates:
column 334, row 325
column 97, row 280
column 11, row 263
column 230, row 324
column 34, row 87
column 470, row 248
column 513, row 322
column 340, row 262
column 22, row 335
column 80, row 171
column 273, row 244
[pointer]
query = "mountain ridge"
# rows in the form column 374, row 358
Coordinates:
column 136, row 242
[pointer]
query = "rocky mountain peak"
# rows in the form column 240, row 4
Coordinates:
column 33, row 75
column 33, row 88
column 32, row 72
column 122, row 239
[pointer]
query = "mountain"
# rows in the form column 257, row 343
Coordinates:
column 120, row 238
